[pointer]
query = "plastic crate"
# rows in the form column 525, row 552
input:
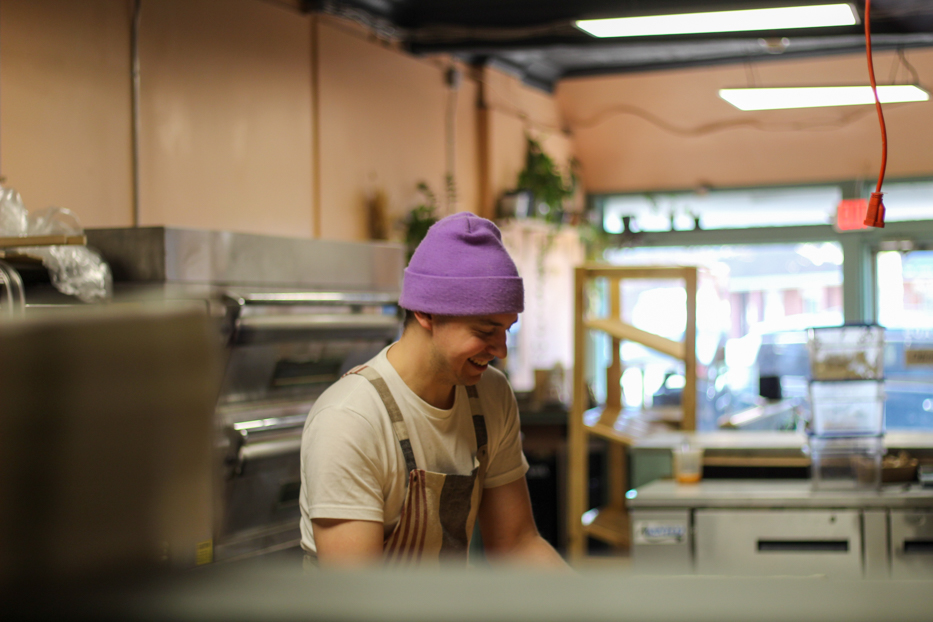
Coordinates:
column 846, row 463
column 847, row 407
column 846, row 352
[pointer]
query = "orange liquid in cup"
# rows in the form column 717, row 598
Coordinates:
column 688, row 465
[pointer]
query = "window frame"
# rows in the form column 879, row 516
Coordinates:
column 859, row 248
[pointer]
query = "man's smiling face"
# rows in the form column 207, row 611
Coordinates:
column 463, row 346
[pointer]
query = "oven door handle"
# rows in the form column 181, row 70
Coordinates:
column 314, row 298
column 265, row 438
column 288, row 327
column 247, row 451
column 268, row 449
column 319, row 322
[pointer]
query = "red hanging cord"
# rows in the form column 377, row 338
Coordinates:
column 875, row 215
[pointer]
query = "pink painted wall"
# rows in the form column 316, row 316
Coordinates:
column 255, row 117
column 670, row 129
column 515, row 110
column 226, row 116
column 383, row 130
column 64, row 106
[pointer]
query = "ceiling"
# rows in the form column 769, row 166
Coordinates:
column 536, row 39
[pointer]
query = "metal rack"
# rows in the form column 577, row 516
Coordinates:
column 9, row 276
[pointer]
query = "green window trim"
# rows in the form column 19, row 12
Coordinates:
column 858, row 247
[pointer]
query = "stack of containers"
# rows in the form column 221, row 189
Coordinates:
column 846, row 442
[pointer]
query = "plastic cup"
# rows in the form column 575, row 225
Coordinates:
column 688, row 465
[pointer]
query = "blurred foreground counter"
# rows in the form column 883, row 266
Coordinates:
column 240, row 592
column 105, row 450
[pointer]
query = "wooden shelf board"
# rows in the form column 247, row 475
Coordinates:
column 759, row 461
column 621, row 330
column 625, row 426
column 597, row 270
column 43, row 240
column 610, row 525
column 611, row 434
column 609, row 415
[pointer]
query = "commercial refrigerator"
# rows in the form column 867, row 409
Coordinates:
column 783, row 527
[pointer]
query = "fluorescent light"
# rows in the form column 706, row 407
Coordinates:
column 816, row 96
column 722, row 21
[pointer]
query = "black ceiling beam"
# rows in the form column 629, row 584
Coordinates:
column 611, row 69
column 659, row 58
column 435, row 41
column 536, row 39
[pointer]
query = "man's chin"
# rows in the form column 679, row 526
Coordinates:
column 472, row 379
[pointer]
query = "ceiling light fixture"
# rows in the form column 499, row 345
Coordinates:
column 818, row 96
column 820, row 16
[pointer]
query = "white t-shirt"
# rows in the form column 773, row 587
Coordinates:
column 352, row 466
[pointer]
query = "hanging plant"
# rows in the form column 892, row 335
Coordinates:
column 542, row 178
column 417, row 222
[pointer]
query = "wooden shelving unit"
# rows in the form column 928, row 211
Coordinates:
column 610, row 523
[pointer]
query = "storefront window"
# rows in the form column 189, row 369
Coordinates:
column 908, row 201
column 754, row 306
column 905, row 309
column 722, row 209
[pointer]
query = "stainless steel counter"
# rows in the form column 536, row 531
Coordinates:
column 773, row 494
column 768, row 440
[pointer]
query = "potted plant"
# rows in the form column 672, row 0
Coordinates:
column 417, row 222
column 544, row 181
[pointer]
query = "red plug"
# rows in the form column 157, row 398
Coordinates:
column 874, row 217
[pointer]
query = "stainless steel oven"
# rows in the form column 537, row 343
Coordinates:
column 294, row 316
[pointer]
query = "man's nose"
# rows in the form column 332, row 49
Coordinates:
column 497, row 346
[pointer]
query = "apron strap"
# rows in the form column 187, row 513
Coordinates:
column 479, row 422
column 395, row 414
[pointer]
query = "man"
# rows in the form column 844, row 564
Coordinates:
column 403, row 454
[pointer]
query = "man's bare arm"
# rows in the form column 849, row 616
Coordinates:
column 508, row 527
column 347, row 542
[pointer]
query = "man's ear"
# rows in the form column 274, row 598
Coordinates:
column 425, row 320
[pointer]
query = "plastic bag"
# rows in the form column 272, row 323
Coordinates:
column 54, row 221
column 14, row 218
column 74, row 270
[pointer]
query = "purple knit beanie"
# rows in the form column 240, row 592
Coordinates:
column 462, row 268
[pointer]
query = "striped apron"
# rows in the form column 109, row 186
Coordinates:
column 440, row 509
